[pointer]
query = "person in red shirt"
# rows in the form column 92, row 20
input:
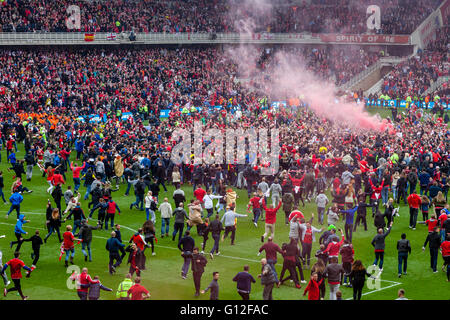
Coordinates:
column 16, row 266
column 68, row 244
column 199, row 194
column 431, row 223
column 254, row 202
column 334, row 247
column 313, row 287
column 271, row 250
column 271, row 218
column 298, row 190
column 57, row 179
column 76, row 174
column 445, row 249
column 137, row 291
column 414, row 201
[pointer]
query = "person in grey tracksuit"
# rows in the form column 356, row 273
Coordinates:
column 275, row 189
column 346, row 177
column 321, row 201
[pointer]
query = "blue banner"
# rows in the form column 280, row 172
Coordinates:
column 164, row 113
column 126, row 115
column 402, row 104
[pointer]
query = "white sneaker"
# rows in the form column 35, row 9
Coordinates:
column 256, row 225
column 218, row 254
column 414, row 228
column 7, row 284
column 381, row 270
column 154, row 254
column 303, row 281
column 203, row 252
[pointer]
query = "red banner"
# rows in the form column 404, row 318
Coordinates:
column 364, row 38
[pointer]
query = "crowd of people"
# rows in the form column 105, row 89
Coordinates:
column 360, row 169
column 397, row 17
column 414, row 76
column 108, row 81
column 48, row 96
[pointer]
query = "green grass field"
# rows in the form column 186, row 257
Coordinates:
column 162, row 276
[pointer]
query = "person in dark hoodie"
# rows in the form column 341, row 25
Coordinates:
column 361, row 212
column 2, row 185
column 94, row 289
column 36, row 242
column 86, row 236
column 379, row 243
column 198, row 267
column 403, row 248
column 102, row 205
column 244, row 283
column 113, row 245
column 78, row 215
column 434, row 239
column 347, row 253
column 379, row 221
column 358, row 278
column 290, row 251
column 180, row 215
column 57, row 195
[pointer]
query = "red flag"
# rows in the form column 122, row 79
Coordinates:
column 89, row 36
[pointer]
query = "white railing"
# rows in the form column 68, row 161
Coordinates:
column 67, row 38
column 382, row 62
column 436, row 85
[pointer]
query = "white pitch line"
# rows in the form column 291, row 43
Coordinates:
column 373, row 291
column 229, row 257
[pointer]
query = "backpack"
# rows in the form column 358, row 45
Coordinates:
column 153, row 206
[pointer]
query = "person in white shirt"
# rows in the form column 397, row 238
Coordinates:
column 228, row 220
column 149, row 208
column 166, row 213
column 208, row 202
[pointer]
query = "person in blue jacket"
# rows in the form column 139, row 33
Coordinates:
column 424, row 179
column 12, row 158
column 18, row 231
column 79, row 146
column 15, row 199
column 349, row 217
column 113, row 246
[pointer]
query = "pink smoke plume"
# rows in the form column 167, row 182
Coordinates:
column 287, row 76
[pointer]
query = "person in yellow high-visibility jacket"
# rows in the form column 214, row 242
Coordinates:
column 124, row 286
